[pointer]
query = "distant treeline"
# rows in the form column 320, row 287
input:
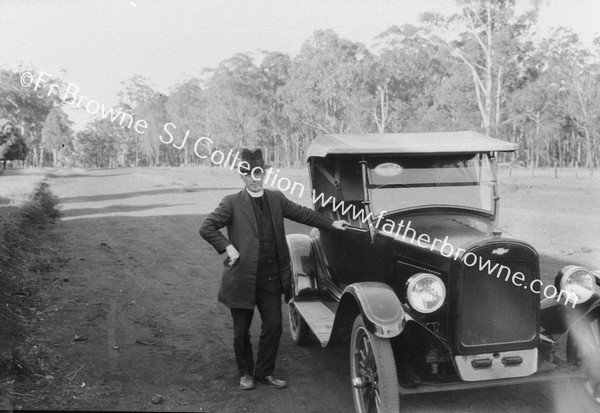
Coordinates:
column 482, row 69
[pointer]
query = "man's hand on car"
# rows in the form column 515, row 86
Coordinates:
column 341, row 224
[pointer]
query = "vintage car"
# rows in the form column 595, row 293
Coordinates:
column 420, row 317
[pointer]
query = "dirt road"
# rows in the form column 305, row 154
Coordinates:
column 139, row 291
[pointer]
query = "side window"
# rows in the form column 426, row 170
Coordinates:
column 340, row 178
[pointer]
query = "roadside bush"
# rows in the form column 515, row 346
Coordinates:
column 41, row 209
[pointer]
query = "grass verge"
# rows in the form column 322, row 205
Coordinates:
column 23, row 263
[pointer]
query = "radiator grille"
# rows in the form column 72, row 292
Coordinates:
column 495, row 312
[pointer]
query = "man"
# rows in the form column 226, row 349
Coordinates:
column 257, row 271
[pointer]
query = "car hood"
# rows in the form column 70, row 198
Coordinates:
column 424, row 228
column 437, row 239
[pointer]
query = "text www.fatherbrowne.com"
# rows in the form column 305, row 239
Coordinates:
column 404, row 231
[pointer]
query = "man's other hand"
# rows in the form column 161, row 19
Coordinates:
column 233, row 253
column 341, row 224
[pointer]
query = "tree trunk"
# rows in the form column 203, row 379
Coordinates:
column 488, row 72
column 34, row 157
column 531, row 161
column 578, row 161
column 288, row 152
column 382, row 121
column 298, row 160
column 498, row 100
column 559, row 147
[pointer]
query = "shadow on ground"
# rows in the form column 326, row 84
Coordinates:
column 126, row 195
column 70, row 213
column 76, row 175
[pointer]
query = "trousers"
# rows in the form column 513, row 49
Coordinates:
column 268, row 302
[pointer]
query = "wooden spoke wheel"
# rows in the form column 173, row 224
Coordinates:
column 373, row 371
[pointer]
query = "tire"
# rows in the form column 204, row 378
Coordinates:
column 299, row 330
column 375, row 385
column 583, row 348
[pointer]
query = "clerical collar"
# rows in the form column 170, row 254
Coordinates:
column 255, row 194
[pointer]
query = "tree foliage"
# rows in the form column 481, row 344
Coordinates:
column 12, row 143
column 480, row 69
column 27, row 109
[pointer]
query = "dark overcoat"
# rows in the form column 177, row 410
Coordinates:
column 235, row 212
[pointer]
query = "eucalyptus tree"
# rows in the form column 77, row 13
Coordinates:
column 486, row 37
column 186, row 110
column 580, row 71
column 539, row 113
column 56, row 134
column 154, row 113
column 98, row 145
column 327, row 88
column 134, row 97
column 28, row 107
column 404, row 78
column 233, row 108
column 276, row 130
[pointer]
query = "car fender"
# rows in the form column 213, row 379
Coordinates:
column 559, row 318
column 377, row 302
column 303, row 266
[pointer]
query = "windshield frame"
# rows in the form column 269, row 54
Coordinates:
column 483, row 158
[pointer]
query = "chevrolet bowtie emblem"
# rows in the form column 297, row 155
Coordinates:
column 500, row 251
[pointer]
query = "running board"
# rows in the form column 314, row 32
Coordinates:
column 318, row 317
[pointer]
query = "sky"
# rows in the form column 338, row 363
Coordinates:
column 102, row 43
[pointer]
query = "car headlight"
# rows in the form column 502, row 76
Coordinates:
column 425, row 292
column 578, row 281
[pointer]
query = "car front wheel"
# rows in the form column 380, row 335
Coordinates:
column 373, row 371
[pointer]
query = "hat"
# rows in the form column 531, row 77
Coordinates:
column 251, row 159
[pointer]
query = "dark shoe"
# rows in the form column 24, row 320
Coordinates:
column 247, row 382
column 272, row 382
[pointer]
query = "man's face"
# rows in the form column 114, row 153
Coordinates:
column 254, row 181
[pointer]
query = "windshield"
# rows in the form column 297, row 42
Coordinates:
column 425, row 181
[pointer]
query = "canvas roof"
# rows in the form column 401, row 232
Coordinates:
column 407, row 143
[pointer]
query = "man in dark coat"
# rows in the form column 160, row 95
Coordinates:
column 257, row 271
